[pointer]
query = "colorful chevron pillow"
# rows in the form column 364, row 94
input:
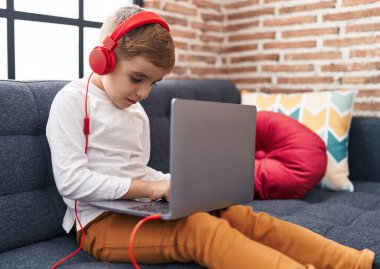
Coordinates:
column 326, row 113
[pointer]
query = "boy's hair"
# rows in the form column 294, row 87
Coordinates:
column 151, row 41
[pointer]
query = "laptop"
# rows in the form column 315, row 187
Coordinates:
column 212, row 148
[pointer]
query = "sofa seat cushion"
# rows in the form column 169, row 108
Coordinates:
column 45, row 254
column 290, row 159
column 348, row 218
column 48, row 253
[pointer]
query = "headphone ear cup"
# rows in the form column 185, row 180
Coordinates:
column 102, row 61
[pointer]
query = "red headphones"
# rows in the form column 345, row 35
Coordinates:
column 102, row 58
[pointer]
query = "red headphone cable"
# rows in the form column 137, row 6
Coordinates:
column 133, row 234
column 86, row 130
column 81, row 241
column 86, row 121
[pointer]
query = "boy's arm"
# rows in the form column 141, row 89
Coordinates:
column 153, row 190
column 70, row 164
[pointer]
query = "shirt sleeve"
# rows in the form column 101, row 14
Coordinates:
column 156, row 175
column 66, row 139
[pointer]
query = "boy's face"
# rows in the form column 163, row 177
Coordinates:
column 130, row 81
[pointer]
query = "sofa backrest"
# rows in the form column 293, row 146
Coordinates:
column 31, row 209
column 364, row 149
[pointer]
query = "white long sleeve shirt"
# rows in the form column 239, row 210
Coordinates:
column 118, row 149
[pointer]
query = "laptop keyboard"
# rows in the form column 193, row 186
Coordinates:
column 159, row 207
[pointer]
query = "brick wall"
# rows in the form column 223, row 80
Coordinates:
column 280, row 45
column 197, row 27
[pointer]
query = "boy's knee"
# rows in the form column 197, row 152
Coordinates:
column 197, row 219
column 237, row 212
column 201, row 224
column 239, row 216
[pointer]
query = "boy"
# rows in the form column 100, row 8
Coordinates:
column 112, row 164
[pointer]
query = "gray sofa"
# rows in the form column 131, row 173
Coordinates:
column 31, row 209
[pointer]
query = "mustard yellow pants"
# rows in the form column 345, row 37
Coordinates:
column 235, row 237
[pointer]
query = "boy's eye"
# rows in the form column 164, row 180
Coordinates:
column 135, row 80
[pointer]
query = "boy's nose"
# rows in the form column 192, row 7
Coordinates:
column 143, row 92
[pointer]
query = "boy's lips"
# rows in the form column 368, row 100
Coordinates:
column 131, row 101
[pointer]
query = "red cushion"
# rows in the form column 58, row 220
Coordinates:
column 290, row 159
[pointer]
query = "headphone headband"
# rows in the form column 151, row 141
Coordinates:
column 102, row 58
column 137, row 20
column 134, row 21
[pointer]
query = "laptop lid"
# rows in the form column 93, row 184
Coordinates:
column 212, row 148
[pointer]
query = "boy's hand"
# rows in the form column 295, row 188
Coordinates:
column 153, row 190
column 159, row 190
